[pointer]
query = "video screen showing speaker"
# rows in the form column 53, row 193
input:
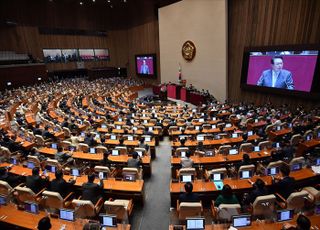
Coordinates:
column 52, row 55
column 69, row 55
column 101, row 54
column 290, row 71
column 146, row 65
column 86, row 54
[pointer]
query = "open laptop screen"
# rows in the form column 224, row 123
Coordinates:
column 250, row 133
column 51, row 168
column 284, row 215
column 273, row 171
column 256, row 149
column 75, row 172
column 92, row 150
column 67, row 215
column 217, row 176
column 54, row 146
column 130, row 138
column 296, row 166
column 31, row 207
column 186, row 178
column 246, row 174
column 233, row 151
column 129, row 177
column 195, row 224
column 3, row 200
column 103, row 175
column 30, row 165
column 108, row 221
column 241, row 221
column 234, row 135
column 147, row 138
column 200, row 138
column 115, row 152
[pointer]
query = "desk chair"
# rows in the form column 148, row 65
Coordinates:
column 295, row 201
column 265, row 145
column 40, row 141
column 122, row 209
column 296, row 139
column 159, row 128
column 224, row 149
column 35, row 160
column 86, row 209
column 53, row 162
column 5, row 154
column 143, row 150
column 307, row 133
column 66, row 132
column 263, row 206
column 268, row 129
column 275, row 164
column 249, row 121
column 251, row 168
column 101, row 149
column 225, row 212
column 186, row 172
column 297, row 160
column 83, row 147
column 23, row 194
column 223, row 171
column 53, row 201
column 189, row 209
column 122, row 150
column 5, row 188
column 179, row 150
column 65, row 145
column 173, row 129
column 314, row 194
column 246, row 147
column 138, row 173
column 104, row 169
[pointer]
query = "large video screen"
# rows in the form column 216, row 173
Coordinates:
column 52, row 55
column 146, row 65
column 101, row 54
column 86, row 54
column 69, row 55
column 289, row 70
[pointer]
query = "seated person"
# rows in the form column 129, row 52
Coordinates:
column 284, row 185
column 187, row 162
column 245, row 161
column 36, row 182
column 143, row 145
column 135, row 161
column 189, row 196
column 60, row 185
column 226, row 197
column 60, row 156
column 92, row 191
column 11, row 179
column 259, row 189
column 303, row 223
column 44, row 223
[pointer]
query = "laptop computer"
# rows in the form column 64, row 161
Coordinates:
column 241, row 221
column 273, row 171
column 234, row 135
column 200, row 138
column 195, row 223
column 217, row 176
column 183, row 154
column 130, row 138
column 92, row 150
column 115, row 152
column 147, row 138
column 250, row 133
column 103, row 175
column 186, row 178
column 296, row 167
column 129, row 177
column 103, row 126
column 256, row 149
column 75, row 172
column 65, row 214
column 107, row 220
column 284, row 215
column 246, row 174
column 3, row 200
column 233, row 151
column 31, row 207
column 54, row 145
column 30, row 165
column 113, row 137
column 51, row 168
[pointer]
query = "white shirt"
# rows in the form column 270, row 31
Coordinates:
column 274, row 77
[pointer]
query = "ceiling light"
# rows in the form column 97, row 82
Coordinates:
column 111, row 6
column 81, row 3
column 109, row 1
column 94, row 0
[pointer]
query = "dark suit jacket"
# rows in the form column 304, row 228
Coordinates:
column 285, row 186
column 61, row 186
column 284, row 79
column 189, row 197
column 36, row 183
column 91, row 191
column 12, row 180
column 257, row 192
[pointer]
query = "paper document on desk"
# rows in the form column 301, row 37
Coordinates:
column 218, row 184
column 316, row 169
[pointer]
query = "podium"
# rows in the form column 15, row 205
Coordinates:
column 174, row 91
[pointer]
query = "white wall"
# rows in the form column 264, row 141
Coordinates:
column 204, row 22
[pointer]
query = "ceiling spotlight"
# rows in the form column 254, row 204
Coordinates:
column 124, row 1
column 109, row 1
column 93, row 0
column 111, row 6
column 81, row 3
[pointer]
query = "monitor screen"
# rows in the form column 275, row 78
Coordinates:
column 197, row 128
column 284, row 215
column 140, row 153
column 201, row 120
column 257, row 148
column 104, row 126
column 113, row 137
column 228, row 125
column 103, row 175
column 250, row 133
column 31, row 207
column 30, row 165
column 280, row 69
column 277, row 145
column 83, row 134
column 213, row 126
column 273, row 171
column 72, row 148
column 108, row 221
column 183, row 154
column 146, row 65
column 309, row 137
column 296, row 166
column 51, row 168
column 200, row 138
column 118, row 126
column 241, row 221
column 195, row 223
column 54, row 145
column 317, row 209
column 67, row 215
column 317, row 161
column 246, row 174
column 150, row 129
column 13, row 161
column 147, row 138
column 217, row 176
column 115, row 152
column 129, row 177
column 3, row 200
column 234, row 135
column 92, row 150
column 233, row 151
column 75, row 172
column 186, row 178
column 130, row 138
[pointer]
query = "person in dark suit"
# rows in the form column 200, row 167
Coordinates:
column 276, row 77
column 37, row 130
column 144, row 68
column 92, row 191
column 89, row 140
column 259, row 190
column 286, row 184
column 46, row 134
column 65, row 123
column 36, row 182
column 12, row 180
column 189, row 196
column 60, row 185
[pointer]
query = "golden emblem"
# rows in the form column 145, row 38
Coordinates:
column 188, row 50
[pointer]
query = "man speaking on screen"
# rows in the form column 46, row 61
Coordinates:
column 144, row 68
column 276, row 77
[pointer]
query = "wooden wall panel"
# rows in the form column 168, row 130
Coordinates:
column 263, row 23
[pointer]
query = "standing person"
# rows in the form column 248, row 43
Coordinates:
column 144, row 69
column 277, row 77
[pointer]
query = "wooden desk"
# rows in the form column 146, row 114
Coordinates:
column 18, row 218
column 307, row 145
column 274, row 134
column 261, row 225
column 255, row 125
column 88, row 156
